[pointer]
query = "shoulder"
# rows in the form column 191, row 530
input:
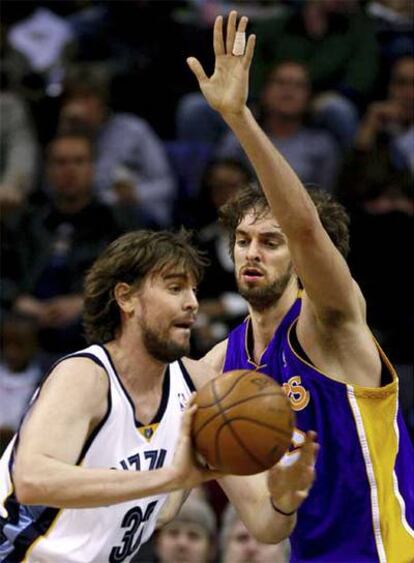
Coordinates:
column 78, row 378
column 217, row 355
column 200, row 371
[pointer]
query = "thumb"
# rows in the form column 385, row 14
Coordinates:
column 197, row 69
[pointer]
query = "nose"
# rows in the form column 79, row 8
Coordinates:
column 191, row 302
column 253, row 252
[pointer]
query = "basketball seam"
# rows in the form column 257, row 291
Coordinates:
column 235, row 436
column 229, row 390
column 215, row 415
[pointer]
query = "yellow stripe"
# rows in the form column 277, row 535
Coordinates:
column 380, row 432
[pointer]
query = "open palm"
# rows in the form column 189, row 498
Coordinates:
column 227, row 89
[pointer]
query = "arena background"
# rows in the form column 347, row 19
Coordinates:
column 103, row 131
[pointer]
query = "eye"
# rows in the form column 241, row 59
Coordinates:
column 241, row 242
column 272, row 243
column 174, row 288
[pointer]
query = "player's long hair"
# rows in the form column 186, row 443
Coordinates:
column 130, row 259
column 332, row 214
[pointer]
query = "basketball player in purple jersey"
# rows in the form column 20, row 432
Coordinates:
column 315, row 341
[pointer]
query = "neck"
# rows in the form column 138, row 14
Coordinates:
column 138, row 371
column 265, row 323
column 282, row 127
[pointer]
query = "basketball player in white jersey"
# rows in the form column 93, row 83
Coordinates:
column 101, row 446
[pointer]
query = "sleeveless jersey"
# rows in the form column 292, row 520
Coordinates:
column 40, row 534
column 361, row 506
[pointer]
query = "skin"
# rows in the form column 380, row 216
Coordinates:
column 242, row 547
column 183, row 542
column 45, row 472
column 332, row 326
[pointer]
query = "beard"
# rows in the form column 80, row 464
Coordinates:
column 161, row 347
column 261, row 298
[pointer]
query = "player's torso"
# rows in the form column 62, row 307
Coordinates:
column 361, row 506
column 111, row 533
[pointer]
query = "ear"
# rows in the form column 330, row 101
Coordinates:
column 125, row 297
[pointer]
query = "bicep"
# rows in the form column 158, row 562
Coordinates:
column 63, row 414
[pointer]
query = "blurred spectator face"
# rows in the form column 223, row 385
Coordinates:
column 401, row 88
column 286, row 92
column 183, row 542
column 87, row 110
column 241, row 547
column 224, row 182
column 19, row 344
column 69, row 166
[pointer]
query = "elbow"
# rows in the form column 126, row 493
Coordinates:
column 28, row 489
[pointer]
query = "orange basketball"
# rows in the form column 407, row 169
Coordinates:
column 243, row 424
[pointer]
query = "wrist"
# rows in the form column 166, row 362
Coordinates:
column 234, row 118
column 279, row 510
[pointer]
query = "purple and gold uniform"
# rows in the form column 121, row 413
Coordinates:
column 361, row 506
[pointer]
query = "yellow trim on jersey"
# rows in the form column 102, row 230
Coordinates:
column 378, row 392
column 381, row 434
column 143, row 430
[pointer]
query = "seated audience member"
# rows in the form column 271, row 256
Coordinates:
column 130, row 161
column 376, row 184
column 284, row 102
column 382, row 160
column 239, row 546
column 221, row 306
column 20, row 372
column 17, row 152
column 190, row 537
column 57, row 242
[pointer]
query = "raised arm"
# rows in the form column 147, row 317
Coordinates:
column 70, row 406
column 320, row 266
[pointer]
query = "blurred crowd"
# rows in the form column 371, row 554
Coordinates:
column 103, row 130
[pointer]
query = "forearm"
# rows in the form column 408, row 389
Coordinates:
column 287, row 197
column 56, row 484
column 269, row 526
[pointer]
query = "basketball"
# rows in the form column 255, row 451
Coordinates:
column 243, row 424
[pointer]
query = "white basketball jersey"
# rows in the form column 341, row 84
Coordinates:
column 39, row 534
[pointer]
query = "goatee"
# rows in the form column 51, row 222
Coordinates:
column 261, row 298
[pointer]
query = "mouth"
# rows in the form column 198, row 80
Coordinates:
column 184, row 325
column 252, row 274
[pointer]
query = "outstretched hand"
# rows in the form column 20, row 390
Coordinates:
column 227, row 89
column 289, row 485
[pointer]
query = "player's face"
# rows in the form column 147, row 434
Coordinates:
column 183, row 542
column 262, row 261
column 168, row 306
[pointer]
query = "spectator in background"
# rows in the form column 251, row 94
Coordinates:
column 284, row 103
column 57, row 242
column 221, row 307
column 190, row 537
column 379, row 169
column 376, row 184
column 131, row 165
column 20, row 372
column 239, row 546
column 336, row 40
column 17, row 152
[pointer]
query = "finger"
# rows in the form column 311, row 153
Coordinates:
column 231, row 31
column 218, row 42
column 248, row 56
column 309, row 449
column 187, row 419
column 197, row 69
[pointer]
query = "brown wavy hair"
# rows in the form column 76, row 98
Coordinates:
column 332, row 214
column 130, row 259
